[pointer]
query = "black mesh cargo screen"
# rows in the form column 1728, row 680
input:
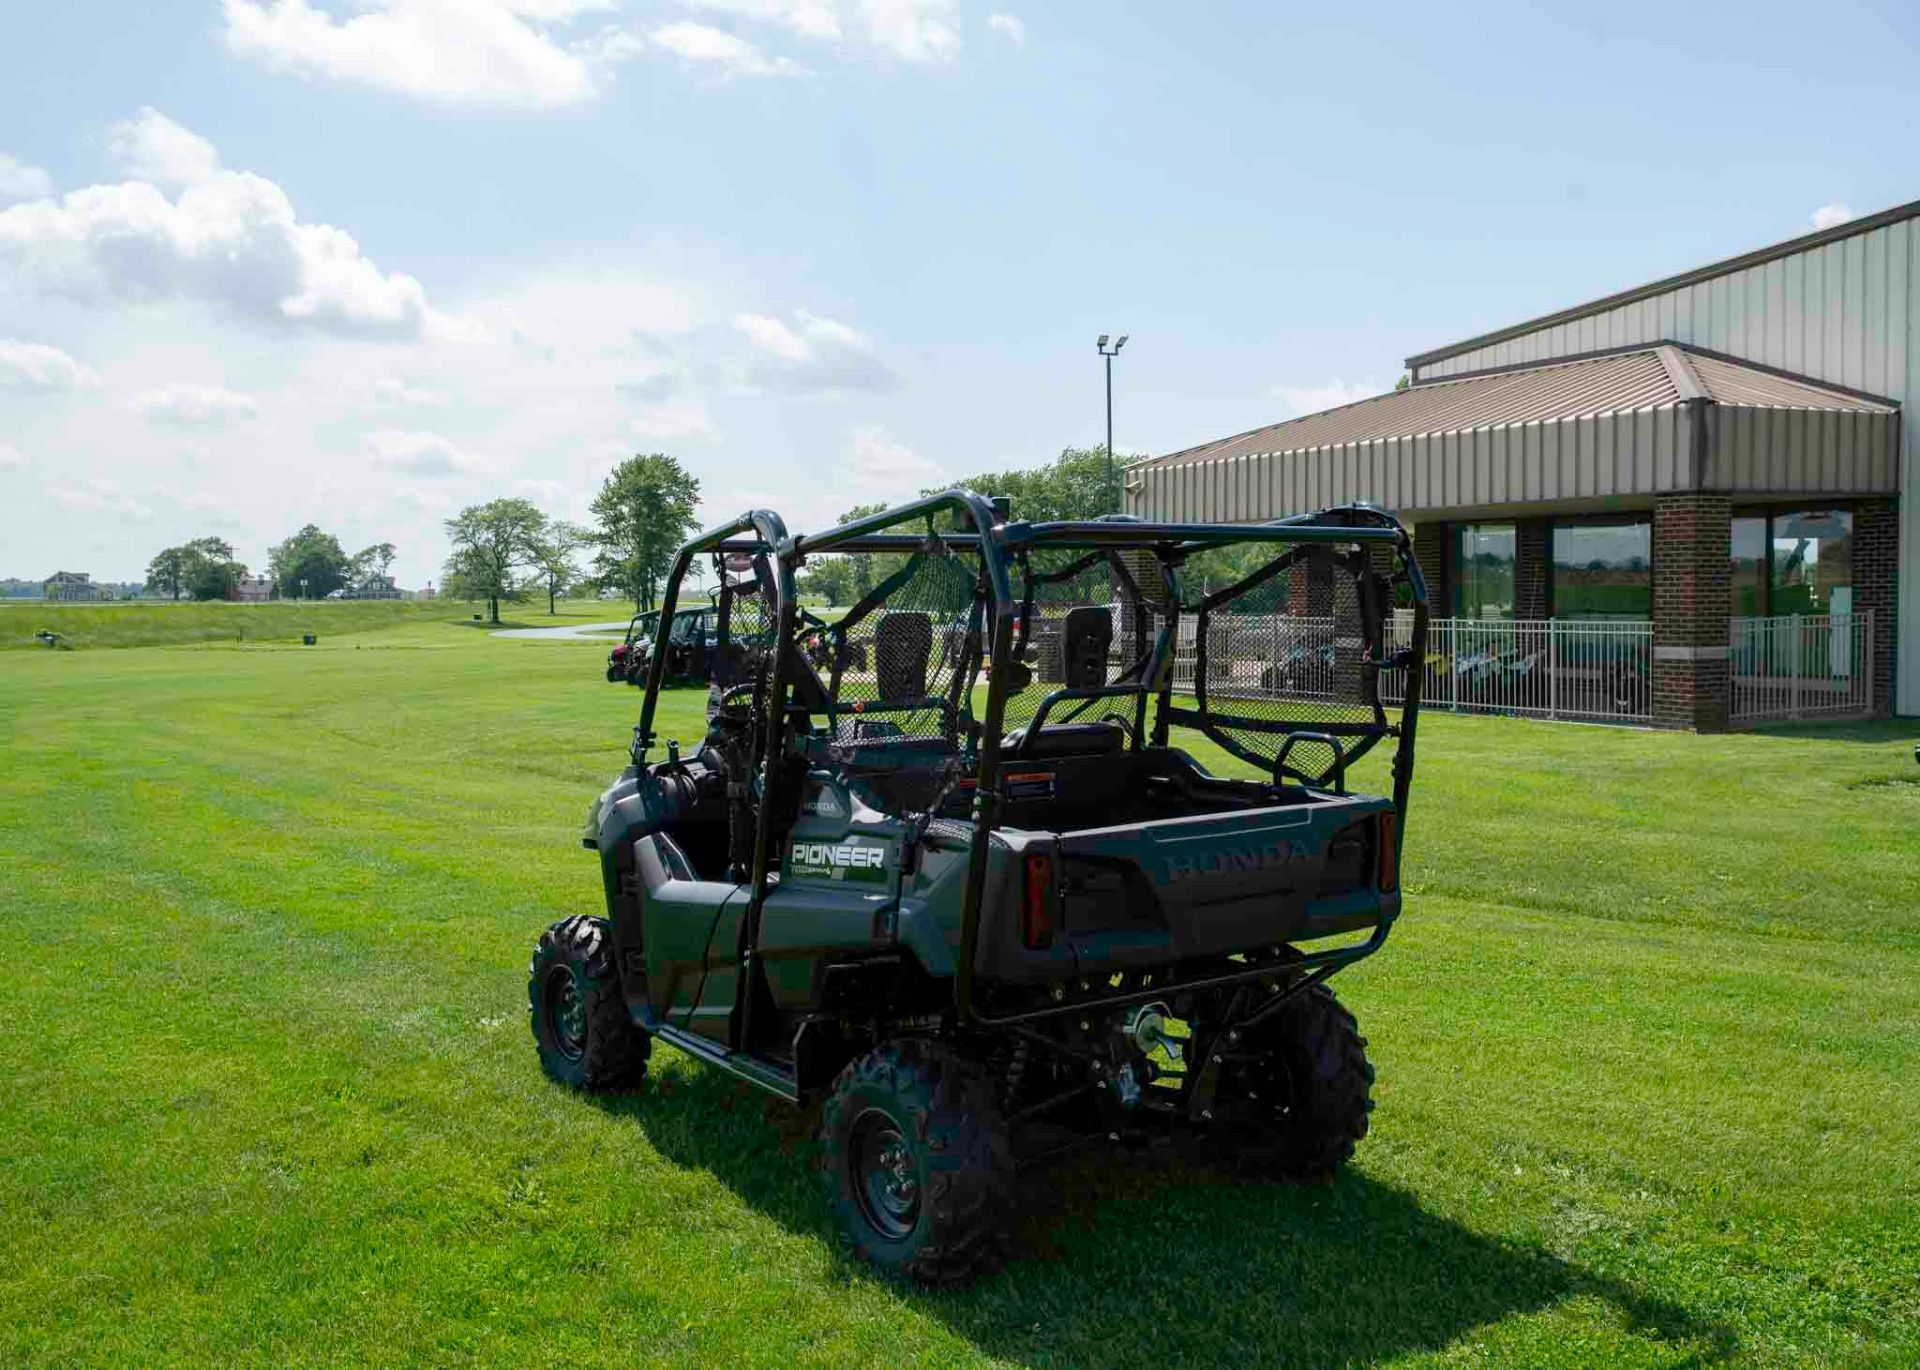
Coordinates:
column 1281, row 666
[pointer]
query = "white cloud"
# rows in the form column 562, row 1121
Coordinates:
column 883, row 468
column 229, row 238
column 671, row 420
column 12, row 458
column 396, row 392
column 699, row 43
column 100, row 496
column 1831, row 216
column 419, row 453
column 499, row 52
column 809, row 18
column 547, row 493
column 196, row 406
column 20, row 181
column 209, row 510
column 912, row 30
column 811, row 354
column 1311, row 399
column 1009, row 27
column 151, row 147
column 41, row 367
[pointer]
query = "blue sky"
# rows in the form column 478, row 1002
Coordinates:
column 270, row 261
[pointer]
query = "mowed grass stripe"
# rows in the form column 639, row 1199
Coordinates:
column 295, row 1118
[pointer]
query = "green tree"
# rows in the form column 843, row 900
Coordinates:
column 1072, row 486
column 168, row 572
column 490, row 542
column 308, row 565
column 208, row 568
column 643, row 513
column 556, row 556
column 370, row 564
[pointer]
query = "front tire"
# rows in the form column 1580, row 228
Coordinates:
column 580, row 1022
column 918, row 1168
column 1294, row 1098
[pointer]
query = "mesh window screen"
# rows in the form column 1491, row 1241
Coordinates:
column 902, row 663
column 1283, row 665
column 1083, row 623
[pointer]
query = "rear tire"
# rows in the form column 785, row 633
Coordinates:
column 1296, row 1103
column 919, row 1172
column 580, row 1022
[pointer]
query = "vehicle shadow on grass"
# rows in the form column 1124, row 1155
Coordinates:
column 1125, row 1259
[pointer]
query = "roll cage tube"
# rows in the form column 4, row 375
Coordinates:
column 986, row 794
column 770, row 532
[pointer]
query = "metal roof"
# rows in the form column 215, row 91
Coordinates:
column 1726, row 266
column 1593, row 432
column 1641, row 378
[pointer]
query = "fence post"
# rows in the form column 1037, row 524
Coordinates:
column 1799, row 664
column 1553, row 668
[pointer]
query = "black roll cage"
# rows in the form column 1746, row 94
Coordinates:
column 762, row 532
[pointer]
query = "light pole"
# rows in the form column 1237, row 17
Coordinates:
column 1113, row 487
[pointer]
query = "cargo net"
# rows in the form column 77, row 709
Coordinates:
column 897, row 671
column 1282, row 665
column 743, row 628
column 1086, row 621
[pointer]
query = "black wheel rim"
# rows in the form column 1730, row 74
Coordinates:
column 885, row 1180
column 566, row 1010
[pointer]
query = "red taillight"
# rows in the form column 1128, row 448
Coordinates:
column 1036, row 910
column 1389, row 853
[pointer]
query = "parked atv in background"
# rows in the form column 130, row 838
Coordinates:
column 627, row 661
column 940, row 867
column 688, row 649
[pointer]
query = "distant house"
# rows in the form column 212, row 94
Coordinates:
column 251, row 590
column 373, row 587
column 428, row 593
column 73, row 586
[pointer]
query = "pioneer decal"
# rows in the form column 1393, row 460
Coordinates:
column 1267, row 856
column 837, row 861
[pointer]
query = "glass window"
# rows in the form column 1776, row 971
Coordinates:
column 1812, row 563
column 1483, row 570
column 1748, row 567
column 1603, row 570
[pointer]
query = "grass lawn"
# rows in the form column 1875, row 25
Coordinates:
column 1648, row 1040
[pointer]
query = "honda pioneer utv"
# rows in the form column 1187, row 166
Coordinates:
column 939, row 866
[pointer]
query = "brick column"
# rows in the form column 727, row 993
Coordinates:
column 1430, row 550
column 1876, row 582
column 1691, row 601
column 1531, row 554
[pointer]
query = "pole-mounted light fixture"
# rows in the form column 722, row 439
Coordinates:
column 1113, row 488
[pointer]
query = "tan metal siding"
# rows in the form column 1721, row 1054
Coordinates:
column 1846, row 312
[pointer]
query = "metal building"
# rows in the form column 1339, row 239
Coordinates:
column 1710, row 453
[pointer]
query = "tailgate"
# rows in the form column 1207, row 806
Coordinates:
column 1223, row 882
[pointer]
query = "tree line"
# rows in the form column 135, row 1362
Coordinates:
column 309, row 565
column 1072, row 486
column 506, row 548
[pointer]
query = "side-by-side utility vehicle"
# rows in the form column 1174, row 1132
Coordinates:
column 940, row 867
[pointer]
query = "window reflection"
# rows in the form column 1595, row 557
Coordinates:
column 1483, row 570
column 1603, row 570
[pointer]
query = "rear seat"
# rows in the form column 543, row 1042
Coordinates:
column 1067, row 739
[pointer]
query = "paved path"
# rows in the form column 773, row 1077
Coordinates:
column 562, row 634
